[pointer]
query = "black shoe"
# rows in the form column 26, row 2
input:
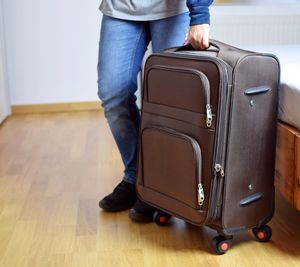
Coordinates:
column 141, row 212
column 122, row 198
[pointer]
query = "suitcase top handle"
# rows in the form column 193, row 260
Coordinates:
column 222, row 50
column 189, row 47
column 214, row 46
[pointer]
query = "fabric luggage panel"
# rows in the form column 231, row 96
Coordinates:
column 183, row 88
column 205, row 138
column 251, row 144
column 209, row 69
column 170, row 164
column 186, row 115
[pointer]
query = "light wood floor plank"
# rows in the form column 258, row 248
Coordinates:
column 55, row 167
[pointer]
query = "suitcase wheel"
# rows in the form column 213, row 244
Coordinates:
column 161, row 218
column 221, row 244
column 262, row 233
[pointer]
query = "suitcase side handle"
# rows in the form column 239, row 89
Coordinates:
column 257, row 90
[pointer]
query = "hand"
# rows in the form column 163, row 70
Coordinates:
column 198, row 36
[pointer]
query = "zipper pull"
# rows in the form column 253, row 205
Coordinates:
column 208, row 115
column 218, row 168
column 200, row 195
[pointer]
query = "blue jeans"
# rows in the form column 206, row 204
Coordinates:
column 122, row 47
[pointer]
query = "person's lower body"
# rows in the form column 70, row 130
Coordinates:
column 122, row 47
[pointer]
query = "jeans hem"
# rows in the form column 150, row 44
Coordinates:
column 130, row 180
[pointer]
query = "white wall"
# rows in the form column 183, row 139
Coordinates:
column 4, row 99
column 52, row 45
column 52, row 49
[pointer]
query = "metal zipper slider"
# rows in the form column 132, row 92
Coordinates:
column 200, row 195
column 218, row 168
column 208, row 115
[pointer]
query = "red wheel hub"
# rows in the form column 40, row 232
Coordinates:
column 162, row 219
column 224, row 246
column 261, row 235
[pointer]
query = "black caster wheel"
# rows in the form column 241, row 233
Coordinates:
column 262, row 233
column 161, row 218
column 221, row 244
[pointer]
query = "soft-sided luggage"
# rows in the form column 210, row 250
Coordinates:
column 207, row 139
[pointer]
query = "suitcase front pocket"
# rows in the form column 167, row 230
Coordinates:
column 172, row 165
column 178, row 87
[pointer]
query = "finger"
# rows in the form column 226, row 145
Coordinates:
column 193, row 41
column 197, row 44
column 205, row 43
column 186, row 42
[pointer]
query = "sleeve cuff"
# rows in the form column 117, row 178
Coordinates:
column 199, row 12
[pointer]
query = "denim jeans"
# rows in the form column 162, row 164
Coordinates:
column 122, row 47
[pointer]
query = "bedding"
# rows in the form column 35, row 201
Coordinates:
column 289, row 93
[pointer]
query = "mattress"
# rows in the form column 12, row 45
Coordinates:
column 289, row 91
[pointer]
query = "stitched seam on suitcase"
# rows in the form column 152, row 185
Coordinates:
column 185, row 204
column 153, row 128
column 191, row 117
column 189, row 71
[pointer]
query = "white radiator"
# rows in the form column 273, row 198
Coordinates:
column 252, row 25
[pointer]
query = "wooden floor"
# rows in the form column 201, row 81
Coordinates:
column 53, row 170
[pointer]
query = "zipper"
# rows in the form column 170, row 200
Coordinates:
column 208, row 116
column 220, row 142
column 219, row 174
column 219, row 168
column 201, row 196
column 204, row 81
column 197, row 156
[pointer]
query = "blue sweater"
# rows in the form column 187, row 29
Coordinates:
column 199, row 11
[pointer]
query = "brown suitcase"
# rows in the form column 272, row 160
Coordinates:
column 207, row 139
